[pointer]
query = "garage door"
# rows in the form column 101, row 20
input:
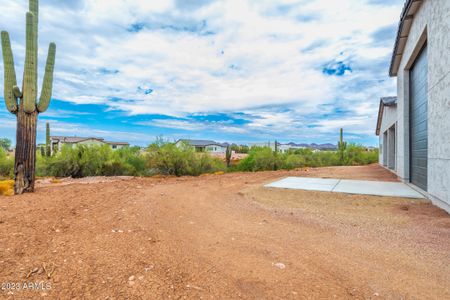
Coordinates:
column 418, row 121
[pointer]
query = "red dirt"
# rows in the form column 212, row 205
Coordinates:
column 223, row 237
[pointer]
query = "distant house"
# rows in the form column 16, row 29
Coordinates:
column 269, row 144
column 283, row 148
column 204, row 145
column 286, row 147
column 57, row 142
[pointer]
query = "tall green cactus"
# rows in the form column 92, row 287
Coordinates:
column 228, row 154
column 24, row 103
column 48, row 151
column 342, row 146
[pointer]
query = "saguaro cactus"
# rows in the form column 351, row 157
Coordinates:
column 48, row 151
column 24, row 103
column 228, row 154
column 342, row 146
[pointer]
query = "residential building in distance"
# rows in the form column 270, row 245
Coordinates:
column 204, row 145
column 283, row 148
column 57, row 142
column 417, row 143
column 270, row 144
column 286, row 147
column 386, row 130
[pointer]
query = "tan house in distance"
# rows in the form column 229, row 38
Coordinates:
column 57, row 142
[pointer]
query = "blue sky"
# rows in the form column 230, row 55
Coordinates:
column 233, row 70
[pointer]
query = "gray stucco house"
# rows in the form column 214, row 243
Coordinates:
column 57, row 142
column 414, row 130
column 203, row 145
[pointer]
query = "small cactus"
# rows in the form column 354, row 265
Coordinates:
column 24, row 103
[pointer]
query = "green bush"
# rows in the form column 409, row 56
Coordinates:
column 168, row 159
column 263, row 158
column 81, row 161
column 6, row 165
column 357, row 155
column 293, row 161
column 260, row 159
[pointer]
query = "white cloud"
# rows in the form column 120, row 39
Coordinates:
column 223, row 56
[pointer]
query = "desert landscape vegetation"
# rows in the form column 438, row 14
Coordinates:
column 222, row 236
column 166, row 221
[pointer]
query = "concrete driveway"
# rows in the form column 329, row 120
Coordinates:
column 364, row 187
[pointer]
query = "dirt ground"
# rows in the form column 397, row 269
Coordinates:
column 221, row 237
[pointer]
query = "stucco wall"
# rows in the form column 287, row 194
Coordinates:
column 433, row 19
column 388, row 119
column 91, row 142
column 216, row 149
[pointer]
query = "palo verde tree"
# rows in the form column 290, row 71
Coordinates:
column 342, row 146
column 23, row 103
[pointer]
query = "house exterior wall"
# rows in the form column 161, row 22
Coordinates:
column 208, row 148
column 388, row 119
column 216, row 149
column 56, row 145
column 116, row 147
column 271, row 145
column 431, row 24
column 91, row 143
column 180, row 143
column 283, row 148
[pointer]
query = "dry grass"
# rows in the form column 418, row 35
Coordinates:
column 7, row 187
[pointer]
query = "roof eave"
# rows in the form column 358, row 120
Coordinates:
column 406, row 18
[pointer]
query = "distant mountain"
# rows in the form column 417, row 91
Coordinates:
column 326, row 146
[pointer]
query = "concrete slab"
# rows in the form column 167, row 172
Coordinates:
column 305, row 183
column 363, row 187
column 378, row 188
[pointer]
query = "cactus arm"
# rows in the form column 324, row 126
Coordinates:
column 30, row 72
column 17, row 92
column 10, row 73
column 34, row 9
column 47, row 84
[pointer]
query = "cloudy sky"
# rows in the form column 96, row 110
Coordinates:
column 231, row 70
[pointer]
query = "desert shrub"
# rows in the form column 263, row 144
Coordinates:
column 240, row 148
column 169, row 159
column 325, row 158
column 293, row 161
column 5, row 144
column 260, row 159
column 357, row 155
column 166, row 158
column 263, row 158
column 6, row 164
column 7, row 187
column 204, row 163
column 81, row 161
column 125, row 161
